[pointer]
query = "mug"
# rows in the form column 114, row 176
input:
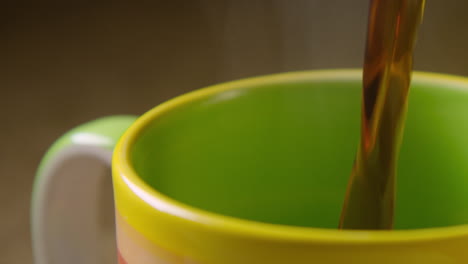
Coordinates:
column 255, row 171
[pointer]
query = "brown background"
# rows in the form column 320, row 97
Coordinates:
column 64, row 63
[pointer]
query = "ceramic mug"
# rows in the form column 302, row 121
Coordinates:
column 255, row 171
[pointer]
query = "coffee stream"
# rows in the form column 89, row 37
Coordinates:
column 370, row 197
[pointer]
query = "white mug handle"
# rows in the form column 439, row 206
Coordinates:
column 64, row 207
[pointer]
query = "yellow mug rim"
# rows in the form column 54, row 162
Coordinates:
column 254, row 229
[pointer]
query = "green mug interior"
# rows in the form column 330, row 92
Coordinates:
column 281, row 151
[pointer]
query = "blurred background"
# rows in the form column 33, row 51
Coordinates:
column 66, row 62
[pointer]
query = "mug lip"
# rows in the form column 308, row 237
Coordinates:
column 250, row 228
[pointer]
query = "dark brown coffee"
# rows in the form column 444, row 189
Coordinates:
column 392, row 29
